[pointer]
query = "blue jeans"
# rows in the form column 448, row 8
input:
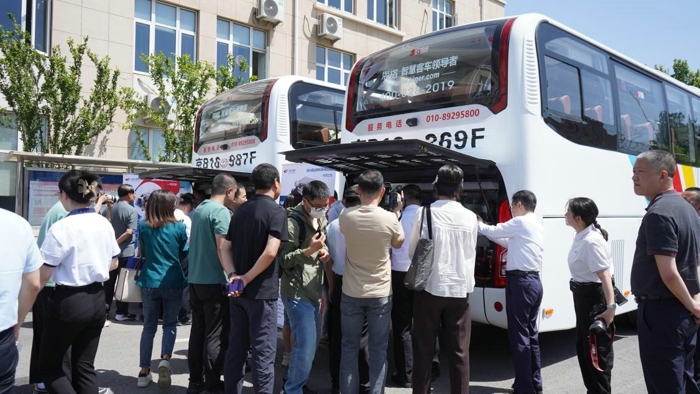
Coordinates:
column 151, row 304
column 303, row 320
column 353, row 312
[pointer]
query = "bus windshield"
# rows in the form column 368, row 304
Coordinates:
column 454, row 67
column 233, row 114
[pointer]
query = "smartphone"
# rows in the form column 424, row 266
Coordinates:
column 235, row 286
column 318, row 231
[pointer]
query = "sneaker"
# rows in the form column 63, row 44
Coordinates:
column 104, row 390
column 107, row 323
column 120, row 317
column 144, row 380
column 164, row 375
column 285, row 358
column 38, row 390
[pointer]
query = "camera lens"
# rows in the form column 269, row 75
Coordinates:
column 598, row 327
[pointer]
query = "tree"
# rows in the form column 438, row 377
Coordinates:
column 44, row 97
column 682, row 72
column 181, row 86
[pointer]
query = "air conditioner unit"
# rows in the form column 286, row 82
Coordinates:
column 154, row 102
column 271, row 11
column 330, row 27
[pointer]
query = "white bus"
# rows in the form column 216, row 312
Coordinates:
column 519, row 103
column 252, row 123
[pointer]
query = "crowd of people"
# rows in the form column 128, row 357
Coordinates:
column 220, row 262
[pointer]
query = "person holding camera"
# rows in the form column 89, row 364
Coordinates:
column 594, row 297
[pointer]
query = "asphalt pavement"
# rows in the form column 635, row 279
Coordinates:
column 491, row 364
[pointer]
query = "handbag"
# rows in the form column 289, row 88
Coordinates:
column 422, row 261
column 126, row 289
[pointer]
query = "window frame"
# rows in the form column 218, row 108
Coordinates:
column 152, row 24
column 442, row 14
column 391, row 11
column 27, row 21
column 343, row 3
column 230, row 42
column 149, row 141
column 344, row 72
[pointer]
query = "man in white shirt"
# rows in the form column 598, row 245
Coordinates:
column 402, row 302
column 334, row 273
column 442, row 309
column 524, row 237
column 19, row 285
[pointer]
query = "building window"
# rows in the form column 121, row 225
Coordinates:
column 155, row 142
column 443, row 14
column 333, row 66
column 242, row 42
column 384, row 12
column 33, row 15
column 345, row 5
column 163, row 28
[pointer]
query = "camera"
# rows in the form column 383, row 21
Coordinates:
column 110, row 197
column 391, row 197
column 599, row 326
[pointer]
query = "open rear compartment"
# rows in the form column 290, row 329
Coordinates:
column 404, row 162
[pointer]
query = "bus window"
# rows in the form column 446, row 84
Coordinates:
column 233, row 114
column 641, row 107
column 448, row 68
column 563, row 89
column 696, row 128
column 682, row 138
column 577, row 100
column 315, row 114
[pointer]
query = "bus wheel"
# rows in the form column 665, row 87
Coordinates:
column 631, row 318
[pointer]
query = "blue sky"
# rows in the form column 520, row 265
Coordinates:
column 649, row 31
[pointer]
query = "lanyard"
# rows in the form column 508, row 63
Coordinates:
column 81, row 211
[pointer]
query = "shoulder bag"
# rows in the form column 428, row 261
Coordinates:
column 422, row 261
column 126, row 289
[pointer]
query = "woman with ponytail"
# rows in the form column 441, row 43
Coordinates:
column 594, row 298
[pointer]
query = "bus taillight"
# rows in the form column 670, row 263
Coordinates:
column 350, row 106
column 198, row 119
column 501, row 255
column 502, row 101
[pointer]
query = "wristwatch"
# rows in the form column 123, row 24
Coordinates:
column 612, row 306
column 231, row 274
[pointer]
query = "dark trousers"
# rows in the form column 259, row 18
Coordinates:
column 253, row 326
column 122, row 307
column 666, row 333
column 696, row 360
column 596, row 382
column 184, row 313
column 208, row 335
column 9, row 356
column 450, row 319
column 335, row 337
column 76, row 319
column 40, row 316
column 523, row 299
column 402, row 323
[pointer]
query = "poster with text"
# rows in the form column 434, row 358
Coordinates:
column 43, row 187
column 145, row 187
column 295, row 175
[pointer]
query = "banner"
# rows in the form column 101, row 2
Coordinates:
column 144, row 188
column 296, row 175
column 43, row 187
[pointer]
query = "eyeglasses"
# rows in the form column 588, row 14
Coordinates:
column 314, row 206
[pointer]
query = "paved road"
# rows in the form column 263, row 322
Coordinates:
column 491, row 371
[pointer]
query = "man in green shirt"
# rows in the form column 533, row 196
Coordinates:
column 302, row 279
column 209, row 303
